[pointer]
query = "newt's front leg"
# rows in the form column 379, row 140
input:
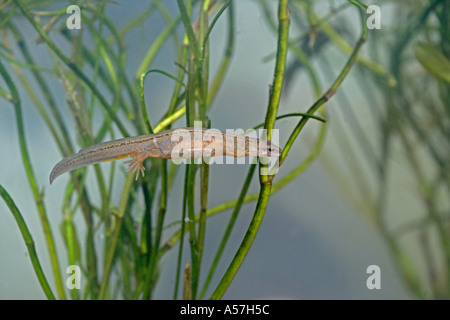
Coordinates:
column 135, row 163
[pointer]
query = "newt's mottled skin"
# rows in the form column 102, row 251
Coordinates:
column 171, row 144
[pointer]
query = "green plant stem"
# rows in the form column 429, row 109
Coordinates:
column 66, row 147
column 33, row 96
column 280, row 66
column 202, row 78
column 186, row 18
column 227, row 233
column 229, row 48
column 38, row 198
column 204, row 180
column 202, row 66
column 171, row 117
column 358, row 4
column 151, row 271
column 327, row 95
column 182, row 231
column 93, row 62
column 149, row 191
column 72, row 247
column 166, row 15
column 197, row 90
column 115, row 237
column 346, row 48
column 265, row 181
column 156, row 46
column 74, row 68
column 213, row 22
column 135, row 22
column 29, row 243
column 142, row 103
column 245, row 245
column 192, row 168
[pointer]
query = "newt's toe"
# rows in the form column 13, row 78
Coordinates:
column 135, row 165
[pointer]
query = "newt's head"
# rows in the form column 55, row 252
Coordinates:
column 261, row 148
column 268, row 149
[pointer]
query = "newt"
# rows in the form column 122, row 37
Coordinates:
column 181, row 143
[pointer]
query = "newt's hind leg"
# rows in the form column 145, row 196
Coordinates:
column 135, row 163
